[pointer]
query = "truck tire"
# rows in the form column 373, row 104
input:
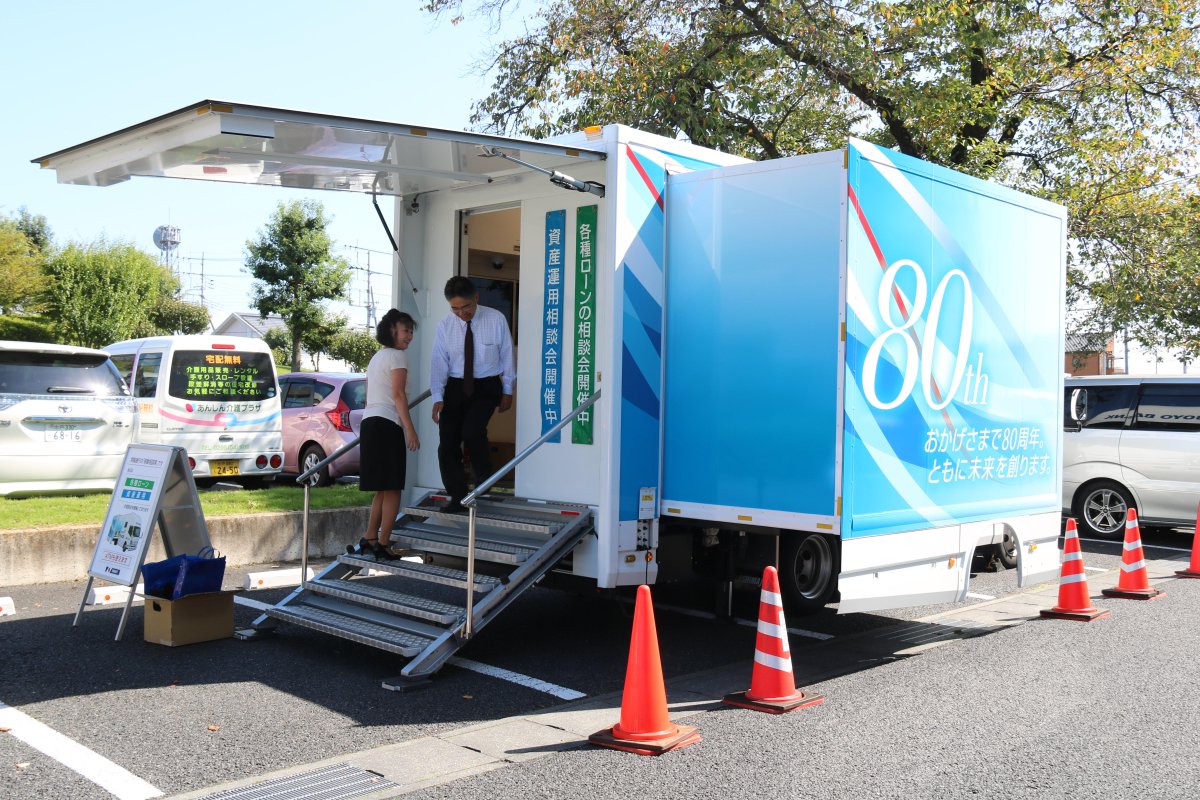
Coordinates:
column 309, row 458
column 1006, row 551
column 1100, row 509
column 808, row 571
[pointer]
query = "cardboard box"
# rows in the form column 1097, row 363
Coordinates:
column 190, row 619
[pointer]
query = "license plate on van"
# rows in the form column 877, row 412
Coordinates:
column 63, row 433
column 220, row 468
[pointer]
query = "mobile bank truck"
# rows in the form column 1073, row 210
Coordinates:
column 215, row 396
column 849, row 362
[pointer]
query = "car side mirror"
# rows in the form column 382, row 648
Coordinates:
column 1078, row 408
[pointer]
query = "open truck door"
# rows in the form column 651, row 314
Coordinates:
column 880, row 343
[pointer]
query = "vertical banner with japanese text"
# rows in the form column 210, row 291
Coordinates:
column 556, row 223
column 585, row 313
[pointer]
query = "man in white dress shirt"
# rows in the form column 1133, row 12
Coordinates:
column 465, row 391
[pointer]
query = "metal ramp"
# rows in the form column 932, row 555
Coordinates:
column 419, row 610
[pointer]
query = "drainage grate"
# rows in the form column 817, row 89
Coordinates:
column 916, row 633
column 331, row 783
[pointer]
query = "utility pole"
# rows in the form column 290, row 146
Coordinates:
column 370, row 295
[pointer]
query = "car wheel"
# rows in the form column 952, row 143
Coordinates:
column 808, row 571
column 1100, row 509
column 1006, row 551
column 313, row 455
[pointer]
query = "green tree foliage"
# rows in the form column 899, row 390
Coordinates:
column 21, row 278
column 1090, row 103
column 280, row 342
column 318, row 337
column 294, row 270
column 355, row 347
column 173, row 315
column 104, row 292
column 26, row 328
column 35, row 228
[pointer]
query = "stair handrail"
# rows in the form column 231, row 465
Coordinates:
column 303, row 479
column 472, row 499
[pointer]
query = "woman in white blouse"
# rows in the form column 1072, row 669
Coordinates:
column 387, row 429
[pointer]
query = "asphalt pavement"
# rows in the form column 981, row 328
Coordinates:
column 1033, row 708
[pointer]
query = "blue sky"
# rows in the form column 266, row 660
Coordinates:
column 77, row 70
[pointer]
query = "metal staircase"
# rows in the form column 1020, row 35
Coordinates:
column 419, row 610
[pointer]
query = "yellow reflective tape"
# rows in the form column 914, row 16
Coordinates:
column 745, row 518
column 673, row 511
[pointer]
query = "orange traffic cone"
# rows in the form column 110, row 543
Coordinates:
column 772, row 687
column 1193, row 570
column 1074, row 600
column 1134, row 582
column 644, row 727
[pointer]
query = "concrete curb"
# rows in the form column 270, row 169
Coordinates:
column 50, row 555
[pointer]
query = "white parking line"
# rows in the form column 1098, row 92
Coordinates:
column 560, row 692
column 978, row 596
column 257, row 605
column 96, row 768
column 554, row 689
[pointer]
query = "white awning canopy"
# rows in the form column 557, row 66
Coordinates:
column 220, row 141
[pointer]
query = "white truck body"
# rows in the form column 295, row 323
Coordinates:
column 813, row 346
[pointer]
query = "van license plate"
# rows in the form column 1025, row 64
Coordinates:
column 224, row 468
column 64, row 433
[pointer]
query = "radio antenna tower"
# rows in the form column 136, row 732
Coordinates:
column 166, row 239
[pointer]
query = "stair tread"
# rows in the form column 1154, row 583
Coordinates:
column 537, row 524
column 419, row 571
column 357, row 630
column 361, row 587
column 460, row 539
column 531, row 539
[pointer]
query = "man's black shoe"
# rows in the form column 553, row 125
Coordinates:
column 454, row 507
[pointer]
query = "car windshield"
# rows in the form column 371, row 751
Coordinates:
column 59, row 374
column 222, row 376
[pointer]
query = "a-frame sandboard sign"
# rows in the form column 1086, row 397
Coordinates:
column 154, row 486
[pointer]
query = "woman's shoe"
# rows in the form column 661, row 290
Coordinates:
column 385, row 551
column 363, row 547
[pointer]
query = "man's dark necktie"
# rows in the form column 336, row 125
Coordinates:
column 469, row 362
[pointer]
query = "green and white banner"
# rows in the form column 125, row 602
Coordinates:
column 585, row 314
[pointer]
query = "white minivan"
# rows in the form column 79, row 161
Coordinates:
column 66, row 419
column 1131, row 441
column 215, row 396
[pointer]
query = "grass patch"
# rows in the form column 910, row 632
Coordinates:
column 53, row 511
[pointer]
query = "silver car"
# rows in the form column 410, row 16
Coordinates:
column 1131, row 442
column 66, row 419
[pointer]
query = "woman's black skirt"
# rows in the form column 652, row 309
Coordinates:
column 381, row 455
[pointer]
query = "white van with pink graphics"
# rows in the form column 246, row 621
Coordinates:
column 215, row 396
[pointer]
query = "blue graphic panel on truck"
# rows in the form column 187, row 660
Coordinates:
column 641, row 282
column 954, row 347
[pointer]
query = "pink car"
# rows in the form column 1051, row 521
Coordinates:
column 321, row 412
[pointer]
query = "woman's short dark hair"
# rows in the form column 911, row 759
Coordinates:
column 460, row 286
column 383, row 331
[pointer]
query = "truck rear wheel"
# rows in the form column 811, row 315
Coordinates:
column 808, row 571
column 1006, row 551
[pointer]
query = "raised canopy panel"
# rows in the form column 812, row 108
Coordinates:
column 219, row 141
